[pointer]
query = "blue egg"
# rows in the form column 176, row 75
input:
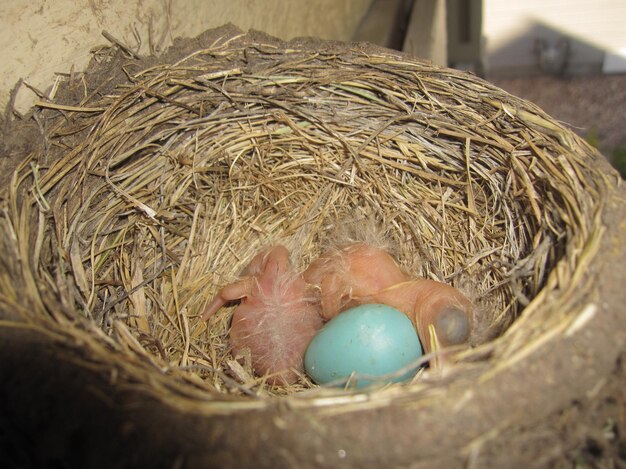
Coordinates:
column 373, row 340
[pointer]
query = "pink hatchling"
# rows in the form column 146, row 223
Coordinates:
column 344, row 274
column 275, row 319
column 359, row 273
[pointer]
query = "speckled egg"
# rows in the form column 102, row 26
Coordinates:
column 369, row 341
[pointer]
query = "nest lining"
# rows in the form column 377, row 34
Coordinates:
column 144, row 206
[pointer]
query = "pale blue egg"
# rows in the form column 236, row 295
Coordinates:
column 373, row 340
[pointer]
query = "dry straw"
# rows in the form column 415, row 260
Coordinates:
column 146, row 200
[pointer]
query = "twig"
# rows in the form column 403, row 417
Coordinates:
column 121, row 45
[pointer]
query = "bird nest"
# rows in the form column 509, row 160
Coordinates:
column 157, row 186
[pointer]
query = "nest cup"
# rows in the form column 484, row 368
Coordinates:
column 154, row 190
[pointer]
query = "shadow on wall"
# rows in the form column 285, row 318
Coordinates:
column 544, row 49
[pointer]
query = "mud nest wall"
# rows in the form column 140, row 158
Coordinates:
column 151, row 191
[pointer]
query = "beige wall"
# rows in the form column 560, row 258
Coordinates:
column 596, row 30
column 39, row 38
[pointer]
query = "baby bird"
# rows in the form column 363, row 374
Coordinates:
column 343, row 275
column 275, row 319
column 359, row 274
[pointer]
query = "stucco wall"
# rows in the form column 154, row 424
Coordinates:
column 40, row 38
